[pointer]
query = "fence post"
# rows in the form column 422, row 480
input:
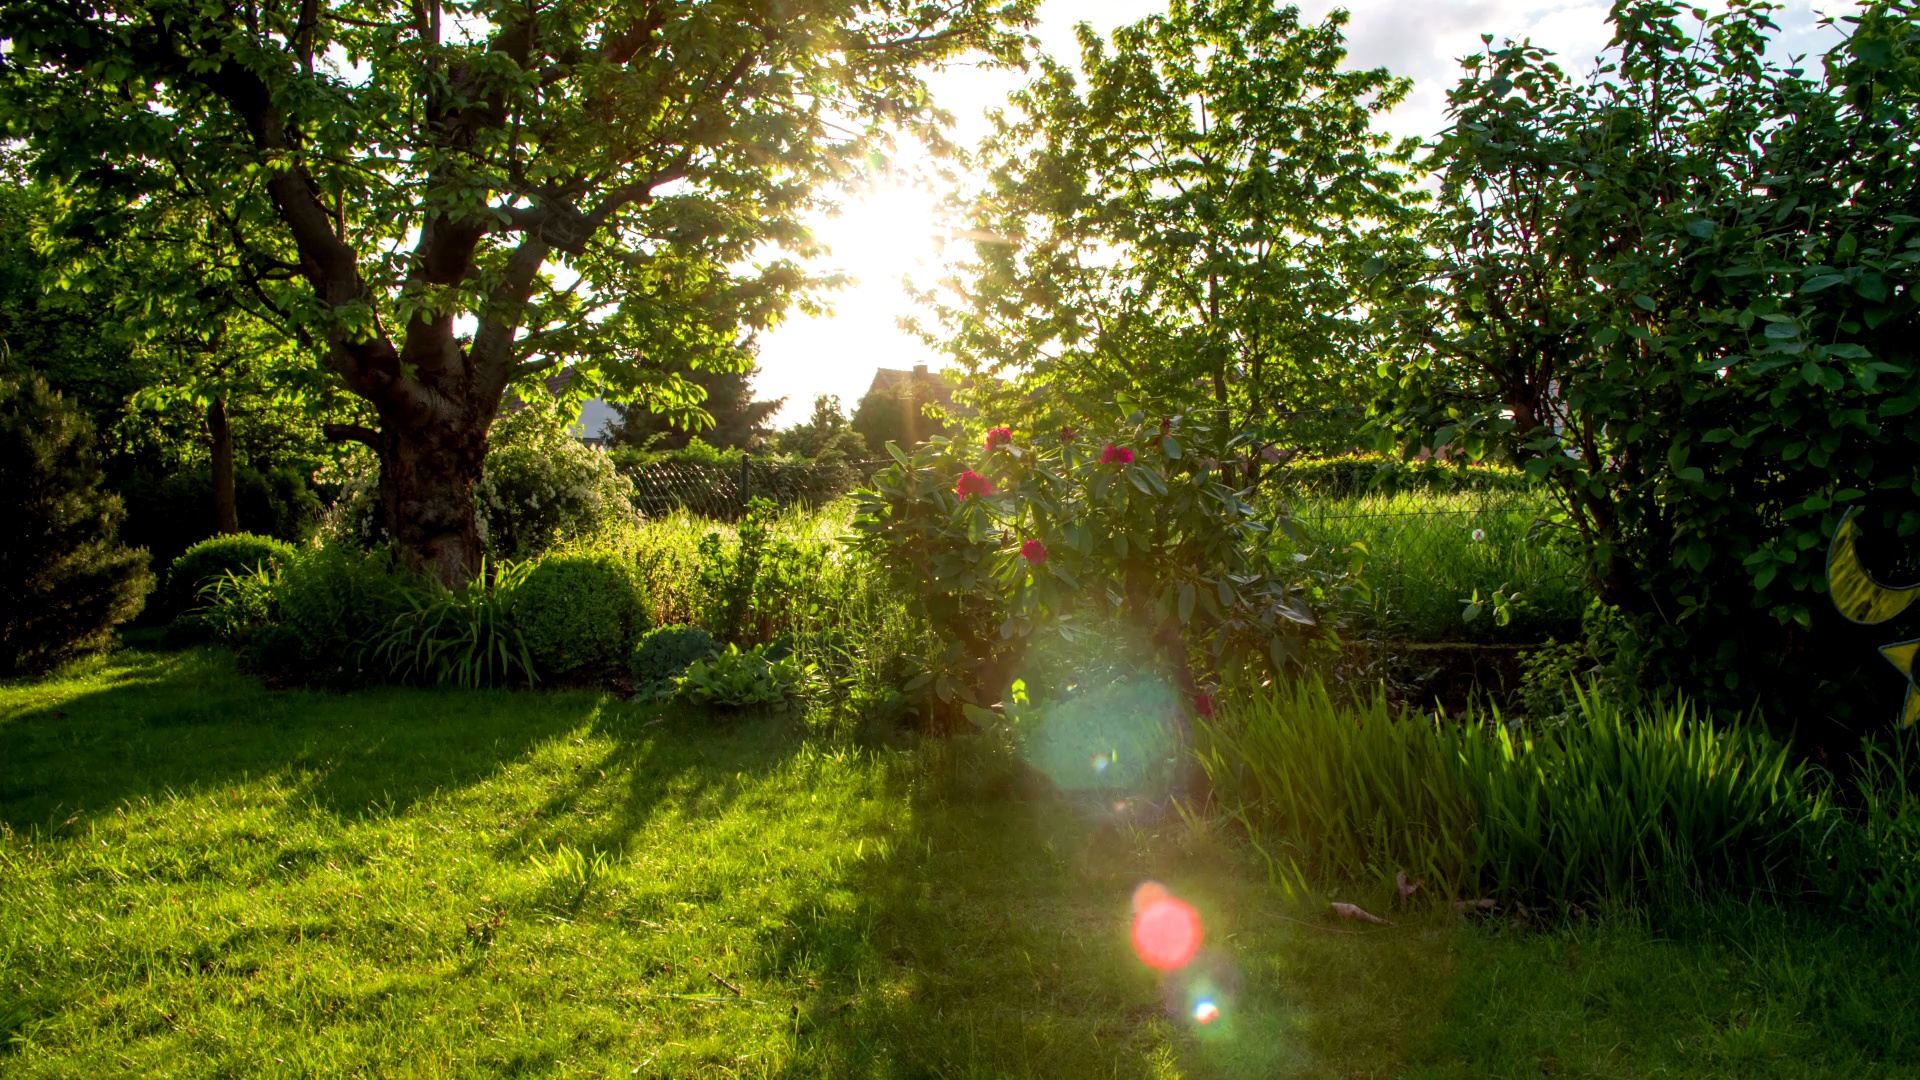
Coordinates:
column 746, row 482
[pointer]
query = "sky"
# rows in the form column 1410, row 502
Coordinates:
column 889, row 229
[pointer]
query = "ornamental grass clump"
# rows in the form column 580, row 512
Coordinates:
column 1608, row 805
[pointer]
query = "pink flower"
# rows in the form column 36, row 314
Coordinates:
column 1034, row 552
column 999, row 437
column 971, row 484
column 1116, row 455
column 1203, row 704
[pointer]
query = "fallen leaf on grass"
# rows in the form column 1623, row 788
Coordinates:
column 1355, row 913
column 1466, row 907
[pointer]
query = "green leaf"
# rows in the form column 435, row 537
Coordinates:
column 1824, row 281
column 1188, row 594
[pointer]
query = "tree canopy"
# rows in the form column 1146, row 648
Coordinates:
column 446, row 198
column 1180, row 221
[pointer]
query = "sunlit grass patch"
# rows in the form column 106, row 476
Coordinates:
column 198, row 877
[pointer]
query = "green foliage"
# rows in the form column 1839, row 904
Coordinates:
column 467, row 637
column 1352, row 475
column 728, row 576
column 664, row 653
column 1605, row 806
column 542, row 487
column 579, row 614
column 811, row 598
column 230, row 608
column 65, row 580
column 660, row 153
column 824, row 436
column 330, row 605
column 170, row 505
column 213, row 559
column 1138, row 522
column 1418, row 563
column 736, row 680
column 1680, row 292
column 728, row 417
column 1179, row 224
column 897, row 414
column 1874, row 853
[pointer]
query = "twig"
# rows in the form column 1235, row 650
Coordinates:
column 737, row 992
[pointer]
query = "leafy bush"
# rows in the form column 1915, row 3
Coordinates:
column 541, row 486
column 65, row 581
column 331, row 604
column 580, row 614
column 664, row 653
column 1141, row 522
column 170, row 509
column 461, row 637
column 232, row 607
column 213, row 559
column 1680, row 292
column 735, row 679
column 1606, row 805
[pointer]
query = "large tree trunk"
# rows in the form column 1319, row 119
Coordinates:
column 429, row 463
column 226, row 512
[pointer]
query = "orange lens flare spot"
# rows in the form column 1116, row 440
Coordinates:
column 1166, row 932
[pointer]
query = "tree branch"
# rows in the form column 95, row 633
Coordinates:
column 351, row 433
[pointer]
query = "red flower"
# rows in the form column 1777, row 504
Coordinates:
column 1116, row 455
column 971, row 484
column 999, row 437
column 1203, row 704
column 1034, row 552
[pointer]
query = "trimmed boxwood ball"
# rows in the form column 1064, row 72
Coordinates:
column 664, row 654
column 579, row 614
column 213, row 558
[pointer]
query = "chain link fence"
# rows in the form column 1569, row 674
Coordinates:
column 722, row 490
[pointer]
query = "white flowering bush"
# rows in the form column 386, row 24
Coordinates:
column 541, row 486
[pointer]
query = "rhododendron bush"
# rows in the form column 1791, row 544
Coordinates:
column 1139, row 524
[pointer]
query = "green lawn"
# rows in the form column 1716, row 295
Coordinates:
column 200, row 877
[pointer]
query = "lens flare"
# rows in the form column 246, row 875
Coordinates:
column 1166, row 930
column 1100, row 763
column 1205, row 1012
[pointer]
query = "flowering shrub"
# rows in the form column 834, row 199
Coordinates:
column 542, row 486
column 1152, row 531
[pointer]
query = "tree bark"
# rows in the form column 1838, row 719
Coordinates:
column 226, row 512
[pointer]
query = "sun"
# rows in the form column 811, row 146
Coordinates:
column 882, row 234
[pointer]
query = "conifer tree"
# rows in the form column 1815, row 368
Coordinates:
column 65, row 579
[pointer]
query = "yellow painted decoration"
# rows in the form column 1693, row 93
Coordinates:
column 1900, row 654
column 1860, row 598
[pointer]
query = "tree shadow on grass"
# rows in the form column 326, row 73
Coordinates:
column 147, row 724
column 992, row 938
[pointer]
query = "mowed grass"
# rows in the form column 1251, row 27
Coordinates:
column 199, row 877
